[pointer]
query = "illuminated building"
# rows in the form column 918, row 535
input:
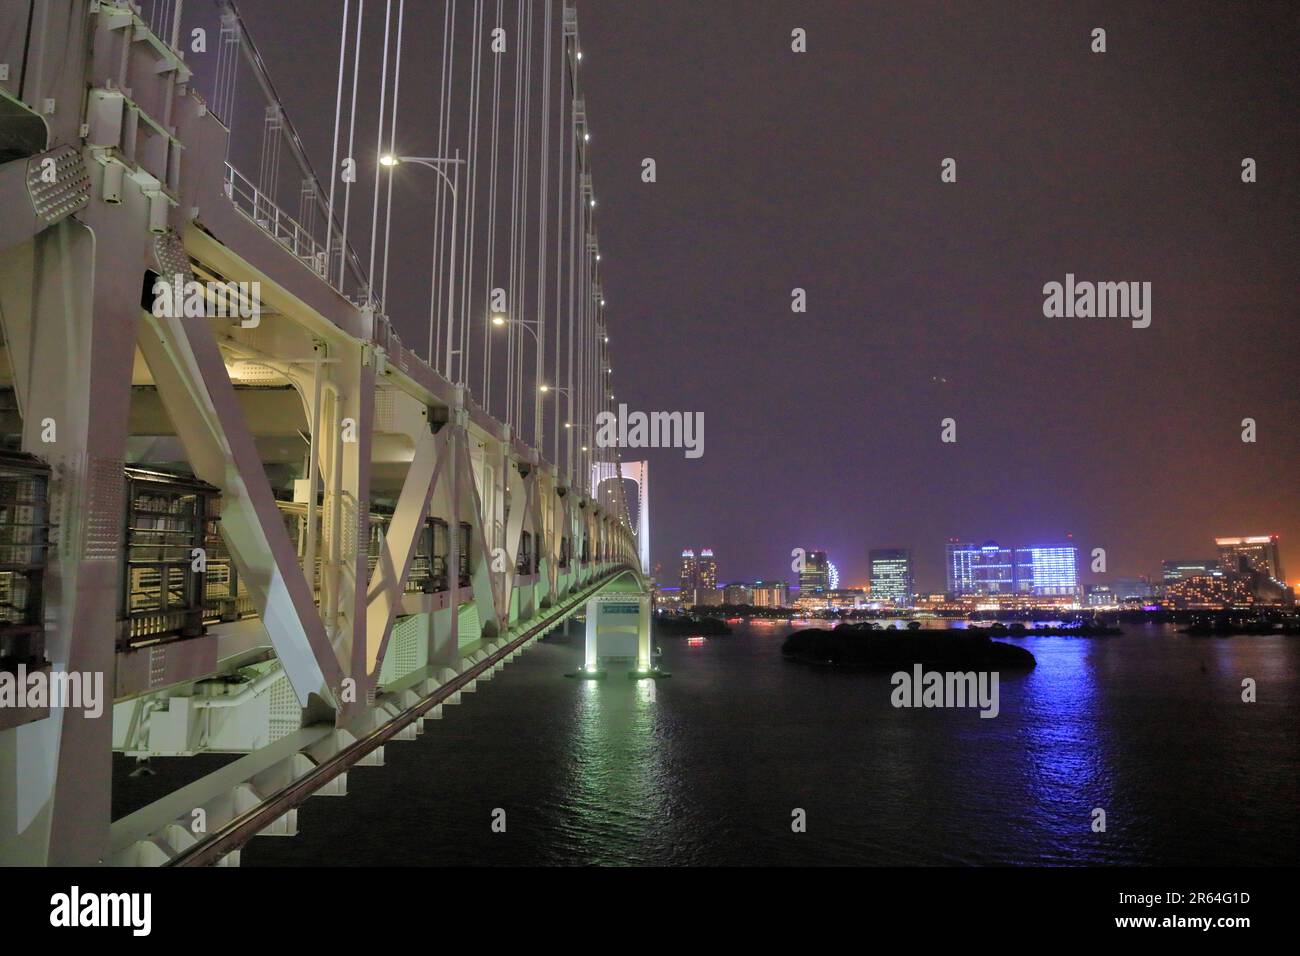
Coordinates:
column 989, row 569
column 770, row 594
column 1258, row 553
column 1213, row 590
column 1048, row 570
column 846, row 599
column 980, row 569
column 891, row 575
column 1180, row 569
column 707, row 570
column 690, row 571
column 815, row 576
column 1100, row 595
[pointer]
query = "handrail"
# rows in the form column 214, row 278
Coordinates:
column 285, row 229
column 250, row 823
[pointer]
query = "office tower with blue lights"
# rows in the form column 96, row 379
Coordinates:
column 1048, row 570
column 989, row 569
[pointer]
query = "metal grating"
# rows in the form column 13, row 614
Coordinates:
column 70, row 190
column 285, row 714
column 171, row 256
column 470, row 628
column 103, row 510
column 384, row 412
column 407, row 636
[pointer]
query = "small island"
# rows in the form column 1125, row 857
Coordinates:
column 873, row 648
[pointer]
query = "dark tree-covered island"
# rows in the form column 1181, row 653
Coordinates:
column 849, row 646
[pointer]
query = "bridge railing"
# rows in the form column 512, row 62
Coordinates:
column 278, row 224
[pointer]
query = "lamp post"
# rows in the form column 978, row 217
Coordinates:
column 501, row 321
column 436, row 163
column 573, row 430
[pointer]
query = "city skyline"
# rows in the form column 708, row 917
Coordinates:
column 849, row 575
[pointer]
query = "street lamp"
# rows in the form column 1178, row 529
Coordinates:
column 501, row 321
column 391, row 161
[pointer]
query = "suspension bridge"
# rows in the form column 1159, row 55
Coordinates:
column 228, row 488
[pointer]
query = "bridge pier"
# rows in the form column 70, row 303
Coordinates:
column 618, row 633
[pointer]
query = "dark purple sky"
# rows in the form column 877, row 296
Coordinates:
column 821, row 171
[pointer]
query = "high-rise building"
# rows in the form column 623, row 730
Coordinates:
column 1258, row 553
column 707, row 569
column 1048, row 570
column 1214, row 589
column 690, row 571
column 891, row 575
column 989, row 569
column 771, row 594
column 816, row 574
column 1179, row 569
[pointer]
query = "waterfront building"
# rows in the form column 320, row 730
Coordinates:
column 771, row 594
column 1258, row 553
column 707, row 570
column 815, row 576
column 1183, row 568
column 1213, row 590
column 891, row 575
column 1100, row 595
column 1049, row 571
column 689, row 576
column 846, row 599
column 668, row 598
column 984, row 569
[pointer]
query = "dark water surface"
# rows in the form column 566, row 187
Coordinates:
column 706, row 767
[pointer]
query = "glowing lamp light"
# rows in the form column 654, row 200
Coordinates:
column 389, row 159
column 498, row 320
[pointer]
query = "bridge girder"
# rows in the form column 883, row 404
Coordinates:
column 380, row 425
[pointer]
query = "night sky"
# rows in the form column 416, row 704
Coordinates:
column 822, row 171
